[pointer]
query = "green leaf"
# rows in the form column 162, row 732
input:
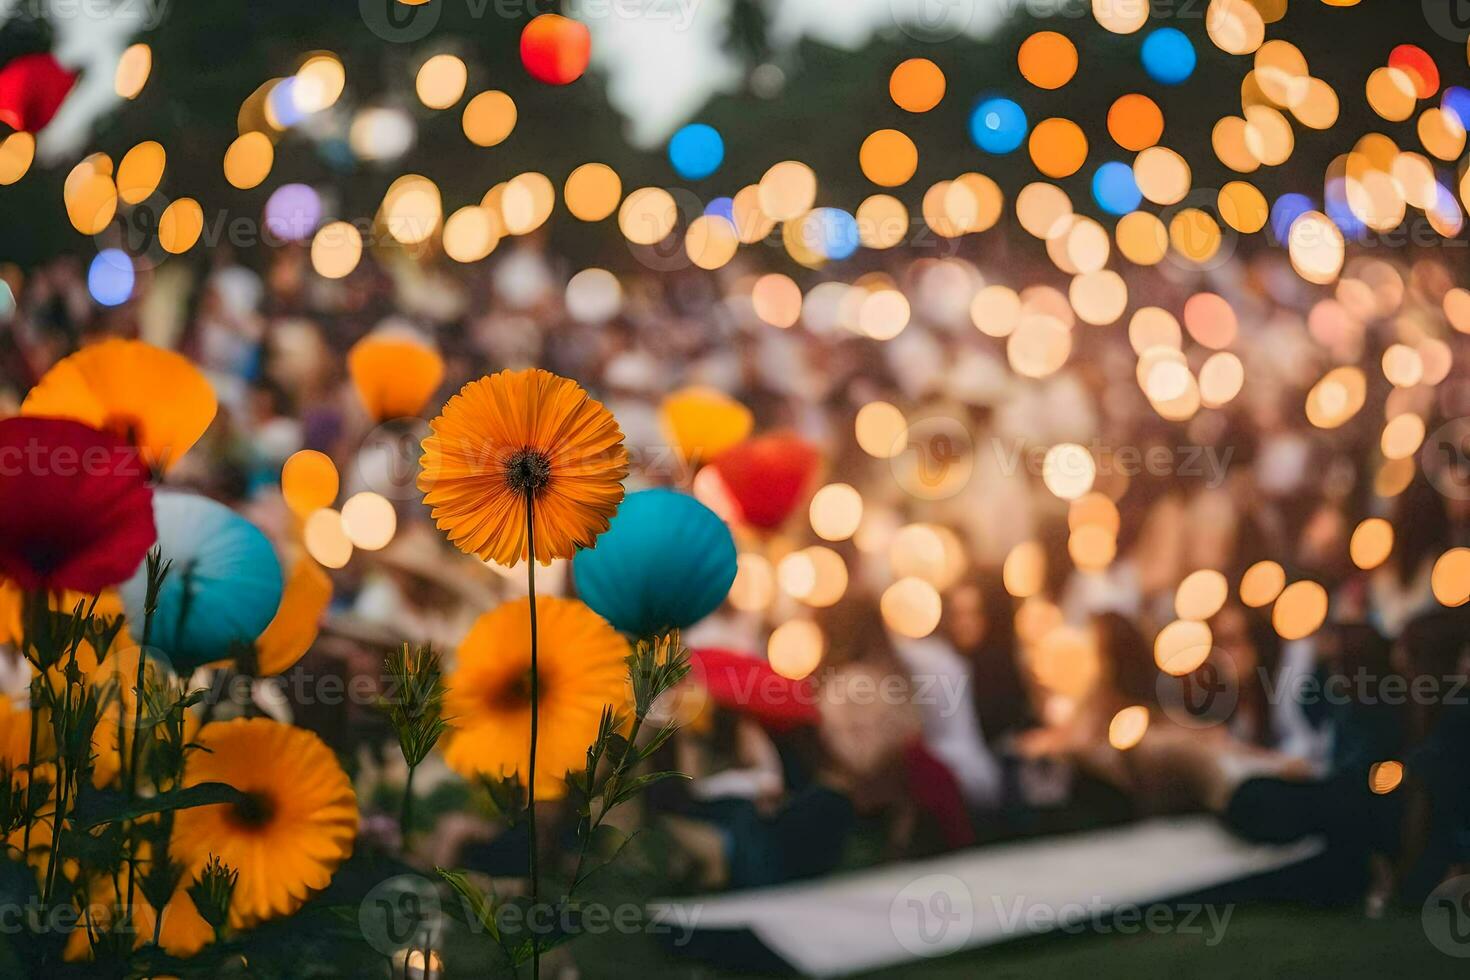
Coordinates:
column 96, row 807
column 655, row 743
column 638, row 784
column 482, row 908
column 607, row 843
column 617, row 746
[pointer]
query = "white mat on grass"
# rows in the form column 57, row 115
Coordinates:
column 890, row 915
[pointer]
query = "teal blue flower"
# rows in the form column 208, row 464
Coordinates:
column 666, row 562
column 222, row 588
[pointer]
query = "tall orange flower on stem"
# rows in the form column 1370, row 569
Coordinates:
column 523, row 465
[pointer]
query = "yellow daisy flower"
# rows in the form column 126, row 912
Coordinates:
column 296, row 827
column 580, row 661
column 520, row 433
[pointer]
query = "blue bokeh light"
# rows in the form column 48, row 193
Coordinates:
column 1456, row 100
column 283, row 103
column 1285, row 211
column 721, row 207
column 1115, row 189
column 1168, row 56
column 110, row 277
column 1335, row 204
column 696, row 151
column 836, row 233
column 998, row 125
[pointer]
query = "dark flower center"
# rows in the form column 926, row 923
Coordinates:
column 517, row 693
column 528, row 471
column 254, row 811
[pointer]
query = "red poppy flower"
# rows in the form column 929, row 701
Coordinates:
column 76, row 511
column 32, row 88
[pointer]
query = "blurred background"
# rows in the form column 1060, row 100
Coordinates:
column 1102, row 507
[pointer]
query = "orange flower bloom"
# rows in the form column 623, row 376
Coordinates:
column 520, row 432
column 294, row 629
column 298, row 825
column 154, row 398
column 395, row 373
column 184, row 931
column 580, row 663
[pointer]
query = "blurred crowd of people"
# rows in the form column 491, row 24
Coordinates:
column 1011, row 717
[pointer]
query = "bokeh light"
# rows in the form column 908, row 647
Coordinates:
column 795, row 648
column 336, row 249
column 441, row 81
column 1128, row 727
column 1300, row 610
column 369, row 521
column 326, row 539
column 1182, row 646
column 1168, row 56
column 888, row 158
column 696, row 151
column 911, row 607
column 881, row 430
column 1114, row 188
column 489, row 118
column 1135, row 122
column 133, row 69
column 998, row 125
column 1047, row 59
column 916, row 85
column 1261, row 584
column 110, row 277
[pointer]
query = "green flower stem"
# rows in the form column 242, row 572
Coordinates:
column 65, row 773
column 535, row 705
column 405, row 809
column 156, row 571
column 31, row 766
column 608, row 791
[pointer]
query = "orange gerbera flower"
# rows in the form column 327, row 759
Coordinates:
column 295, row 828
column 580, row 664
column 184, row 930
column 154, row 398
column 520, row 433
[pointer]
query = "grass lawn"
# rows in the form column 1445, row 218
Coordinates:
column 1263, row 942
